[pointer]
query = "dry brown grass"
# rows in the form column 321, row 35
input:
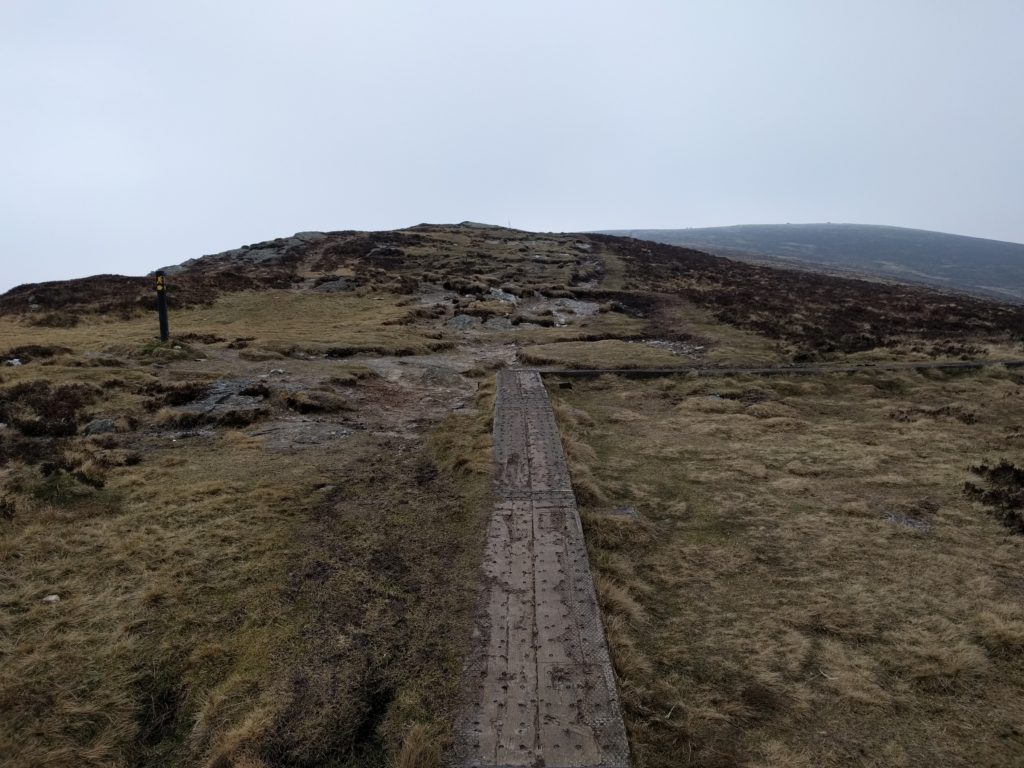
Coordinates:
column 607, row 353
column 277, row 320
column 807, row 584
column 224, row 602
column 419, row 749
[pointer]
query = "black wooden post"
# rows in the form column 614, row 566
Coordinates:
column 161, row 304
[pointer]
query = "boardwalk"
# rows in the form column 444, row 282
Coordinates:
column 539, row 686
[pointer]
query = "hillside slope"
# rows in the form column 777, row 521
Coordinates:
column 955, row 262
column 258, row 544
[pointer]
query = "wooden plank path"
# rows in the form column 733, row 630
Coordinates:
column 539, row 689
column 778, row 370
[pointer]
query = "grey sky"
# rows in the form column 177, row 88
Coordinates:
column 136, row 134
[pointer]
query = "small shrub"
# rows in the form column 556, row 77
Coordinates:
column 173, row 394
column 1002, row 489
column 29, row 352
column 39, row 409
column 62, row 489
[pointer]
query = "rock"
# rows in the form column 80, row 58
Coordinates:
column 498, row 323
column 51, row 599
column 174, row 269
column 310, row 237
column 505, row 296
column 478, row 225
column 228, row 398
column 13, row 362
column 259, row 255
column 585, row 247
column 99, row 427
column 335, row 286
column 463, row 322
column 276, row 371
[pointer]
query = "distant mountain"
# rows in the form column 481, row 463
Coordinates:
column 970, row 264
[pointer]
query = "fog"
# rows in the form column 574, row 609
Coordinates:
column 139, row 134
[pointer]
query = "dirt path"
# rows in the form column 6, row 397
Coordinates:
column 539, row 685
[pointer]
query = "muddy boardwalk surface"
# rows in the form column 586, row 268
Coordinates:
column 539, row 685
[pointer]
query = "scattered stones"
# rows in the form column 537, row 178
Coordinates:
column 905, row 521
column 463, row 322
column 51, row 599
column 682, row 348
column 14, row 361
column 99, row 427
column 585, row 247
column 505, row 296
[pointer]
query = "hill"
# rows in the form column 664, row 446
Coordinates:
column 955, row 262
column 261, row 543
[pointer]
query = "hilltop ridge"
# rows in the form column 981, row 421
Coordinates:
column 954, row 262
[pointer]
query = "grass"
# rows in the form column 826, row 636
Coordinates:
column 224, row 601
column 807, row 584
column 277, row 320
column 725, row 344
column 229, row 605
column 606, row 353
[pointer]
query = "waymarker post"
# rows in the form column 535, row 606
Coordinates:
column 161, row 304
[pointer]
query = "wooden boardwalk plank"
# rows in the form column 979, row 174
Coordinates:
column 539, row 687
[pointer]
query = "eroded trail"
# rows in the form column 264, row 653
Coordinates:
column 540, row 690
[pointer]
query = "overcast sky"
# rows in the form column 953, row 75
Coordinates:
column 138, row 134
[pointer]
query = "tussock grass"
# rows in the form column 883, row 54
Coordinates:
column 221, row 610
column 606, row 353
column 223, row 603
column 807, row 583
column 273, row 319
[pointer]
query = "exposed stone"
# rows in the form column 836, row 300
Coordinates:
column 260, row 255
column 225, row 398
column 335, row 286
column 505, row 296
column 296, row 434
column 463, row 322
column 51, row 599
column 100, row 427
column 498, row 324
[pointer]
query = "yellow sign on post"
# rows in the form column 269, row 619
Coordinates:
column 161, row 305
